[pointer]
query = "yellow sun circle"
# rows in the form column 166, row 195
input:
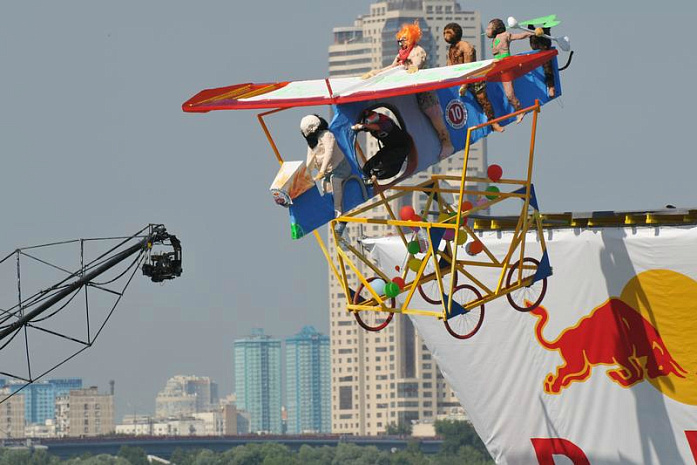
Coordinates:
column 668, row 300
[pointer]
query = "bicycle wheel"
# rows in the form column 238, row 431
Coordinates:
column 430, row 290
column 371, row 320
column 526, row 298
column 466, row 325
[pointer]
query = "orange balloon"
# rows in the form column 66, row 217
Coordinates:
column 407, row 213
column 466, row 205
column 476, row 247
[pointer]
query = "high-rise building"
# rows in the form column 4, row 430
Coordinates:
column 11, row 415
column 40, row 397
column 389, row 377
column 186, row 395
column 258, row 380
column 308, row 383
column 84, row 412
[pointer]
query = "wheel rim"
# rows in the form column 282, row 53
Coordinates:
column 430, row 291
column 526, row 298
column 466, row 325
column 371, row 320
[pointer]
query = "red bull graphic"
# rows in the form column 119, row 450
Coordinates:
column 648, row 333
column 614, row 334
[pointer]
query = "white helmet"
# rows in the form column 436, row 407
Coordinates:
column 309, row 124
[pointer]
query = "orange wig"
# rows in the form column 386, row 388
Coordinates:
column 411, row 31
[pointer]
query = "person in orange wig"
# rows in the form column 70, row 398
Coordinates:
column 412, row 57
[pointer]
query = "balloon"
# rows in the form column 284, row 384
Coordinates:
column 414, row 264
column 399, row 282
column 466, row 205
column 407, row 213
column 462, row 238
column 449, row 235
column 494, row 172
column 494, row 190
column 474, row 247
column 378, row 286
column 413, row 247
column 391, row 290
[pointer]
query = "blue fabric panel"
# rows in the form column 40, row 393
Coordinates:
column 544, row 270
column 456, row 309
column 436, row 236
column 311, row 210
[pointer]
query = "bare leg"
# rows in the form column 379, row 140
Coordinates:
column 549, row 79
column 435, row 114
column 488, row 110
column 510, row 94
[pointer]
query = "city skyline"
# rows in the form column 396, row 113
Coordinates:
column 95, row 144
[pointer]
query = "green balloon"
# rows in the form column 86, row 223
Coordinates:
column 391, row 289
column 413, row 247
column 494, row 190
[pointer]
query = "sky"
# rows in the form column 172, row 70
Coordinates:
column 94, row 143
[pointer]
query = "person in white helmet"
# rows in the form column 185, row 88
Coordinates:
column 325, row 157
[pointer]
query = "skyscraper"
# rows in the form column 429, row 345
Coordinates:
column 11, row 415
column 186, row 395
column 258, row 380
column 40, row 396
column 308, row 395
column 389, row 377
column 85, row 412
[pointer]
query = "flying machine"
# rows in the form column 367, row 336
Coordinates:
column 434, row 215
column 58, row 297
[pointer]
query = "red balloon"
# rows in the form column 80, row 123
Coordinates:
column 466, row 205
column 399, row 282
column 407, row 213
column 494, row 172
column 476, row 247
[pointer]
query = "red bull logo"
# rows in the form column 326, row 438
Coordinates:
column 631, row 335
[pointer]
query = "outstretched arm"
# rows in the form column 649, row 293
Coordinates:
column 373, row 72
column 366, row 127
column 525, row 34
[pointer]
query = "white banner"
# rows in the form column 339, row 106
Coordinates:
column 604, row 372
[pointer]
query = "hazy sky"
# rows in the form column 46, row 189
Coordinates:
column 94, row 143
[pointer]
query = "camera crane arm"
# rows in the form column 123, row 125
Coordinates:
column 157, row 235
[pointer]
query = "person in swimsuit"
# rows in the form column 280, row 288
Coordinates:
column 501, row 48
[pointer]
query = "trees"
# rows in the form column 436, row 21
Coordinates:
column 400, row 429
column 135, row 455
column 460, row 444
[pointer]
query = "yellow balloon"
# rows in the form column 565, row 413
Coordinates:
column 414, row 264
column 462, row 238
column 443, row 217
